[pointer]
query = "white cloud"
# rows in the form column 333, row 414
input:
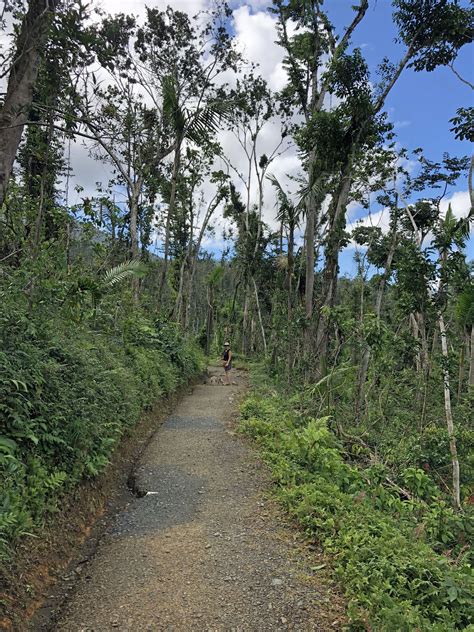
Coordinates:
column 255, row 38
column 460, row 204
column 401, row 124
column 138, row 7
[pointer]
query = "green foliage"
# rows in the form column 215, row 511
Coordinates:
column 68, row 393
column 389, row 553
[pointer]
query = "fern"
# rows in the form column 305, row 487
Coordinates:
column 119, row 273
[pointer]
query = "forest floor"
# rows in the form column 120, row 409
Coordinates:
column 201, row 546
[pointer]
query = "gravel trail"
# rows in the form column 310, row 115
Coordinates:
column 203, row 549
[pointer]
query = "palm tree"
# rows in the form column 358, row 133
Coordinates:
column 192, row 124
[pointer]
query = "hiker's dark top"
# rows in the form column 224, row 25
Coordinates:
column 226, row 359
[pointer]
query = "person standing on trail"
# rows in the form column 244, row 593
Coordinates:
column 227, row 362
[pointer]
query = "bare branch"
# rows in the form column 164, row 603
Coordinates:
column 468, row 83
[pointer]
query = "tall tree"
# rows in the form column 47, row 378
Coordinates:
column 22, row 77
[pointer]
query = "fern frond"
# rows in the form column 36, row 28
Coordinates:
column 119, row 273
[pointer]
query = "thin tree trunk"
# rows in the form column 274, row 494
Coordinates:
column 309, row 253
column 471, row 359
column 259, row 313
column 134, row 249
column 21, row 83
column 462, row 361
column 209, row 317
column 245, row 337
column 291, row 239
column 193, row 253
column 337, row 224
column 179, row 298
column 42, row 192
column 449, row 414
column 171, row 207
column 416, row 336
column 68, row 245
column 252, row 334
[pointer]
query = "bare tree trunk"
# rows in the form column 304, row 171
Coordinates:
column 471, row 359
column 470, row 178
column 416, row 336
column 179, row 298
column 245, row 337
column 309, row 252
column 134, row 249
column 337, row 224
column 259, row 313
column 209, row 318
column 171, row 207
column 193, row 253
column 21, row 82
column 291, row 241
column 462, row 362
column 189, row 294
column 449, row 414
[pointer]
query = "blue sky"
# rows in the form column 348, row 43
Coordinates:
column 421, row 103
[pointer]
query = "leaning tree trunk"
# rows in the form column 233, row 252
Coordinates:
column 21, row 82
column 449, row 414
column 312, row 204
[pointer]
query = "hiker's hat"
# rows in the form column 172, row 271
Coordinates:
column 226, row 344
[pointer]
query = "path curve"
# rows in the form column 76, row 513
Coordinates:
column 204, row 549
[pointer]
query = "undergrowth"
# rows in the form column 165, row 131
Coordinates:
column 404, row 563
column 69, row 389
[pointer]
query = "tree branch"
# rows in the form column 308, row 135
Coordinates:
column 468, row 83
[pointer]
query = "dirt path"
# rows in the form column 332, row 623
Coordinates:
column 203, row 549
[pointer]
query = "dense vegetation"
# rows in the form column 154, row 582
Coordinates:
column 75, row 377
column 401, row 552
column 365, row 414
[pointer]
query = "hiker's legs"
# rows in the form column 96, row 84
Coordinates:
column 227, row 377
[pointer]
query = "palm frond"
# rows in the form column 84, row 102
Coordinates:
column 317, row 189
column 172, row 111
column 208, row 119
column 287, row 211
